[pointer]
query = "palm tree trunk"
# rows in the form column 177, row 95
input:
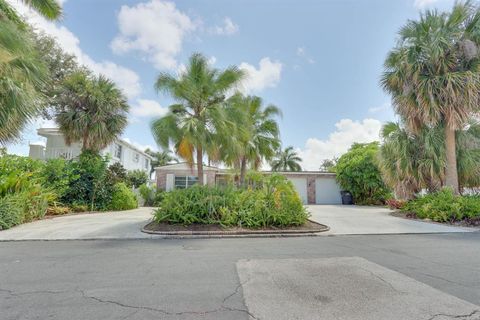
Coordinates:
column 243, row 169
column 451, row 174
column 200, row 165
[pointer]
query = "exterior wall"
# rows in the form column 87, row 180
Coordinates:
column 57, row 148
column 161, row 174
column 310, row 183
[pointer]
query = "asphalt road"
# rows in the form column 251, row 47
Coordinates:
column 198, row 279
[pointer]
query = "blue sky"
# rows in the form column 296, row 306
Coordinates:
column 319, row 61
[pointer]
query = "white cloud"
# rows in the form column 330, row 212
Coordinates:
column 346, row 133
column 140, row 146
column 422, row 4
column 156, row 29
column 228, row 28
column 384, row 107
column 126, row 79
column 267, row 75
column 302, row 53
column 148, row 108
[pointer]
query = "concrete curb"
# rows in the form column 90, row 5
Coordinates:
column 239, row 234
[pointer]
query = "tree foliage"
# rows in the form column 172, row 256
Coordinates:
column 357, row 172
column 286, row 160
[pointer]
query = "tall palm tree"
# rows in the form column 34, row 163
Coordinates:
column 92, row 110
column 433, row 75
column 22, row 76
column 286, row 160
column 410, row 162
column 256, row 136
column 194, row 121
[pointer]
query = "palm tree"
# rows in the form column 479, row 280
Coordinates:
column 49, row 9
column 286, row 160
column 92, row 110
column 255, row 137
column 433, row 75
column 23, row 75
column 410, row 162
column 160, row 158
column 194, row 121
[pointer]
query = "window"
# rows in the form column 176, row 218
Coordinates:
column 117, row 151
column 183, row 182
column 136, row 157
column 147, row 164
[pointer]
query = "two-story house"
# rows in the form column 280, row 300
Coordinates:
column 121, row 151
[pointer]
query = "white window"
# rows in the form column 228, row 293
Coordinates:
column 182, row 182
column 147, row 164
column 136, row 157
column 117, row 151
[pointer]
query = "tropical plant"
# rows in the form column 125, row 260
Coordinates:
column 23, row 75
column 254, row 136
column 160, row 158
column 136, row 178
column 411, row 162
column 357, row 171
column 286, row 160
column 91, row 110
column 194, row 121
column 274, row 202
column 123, row 198
column 116, row 173
column 433, row 75
column 49, row 9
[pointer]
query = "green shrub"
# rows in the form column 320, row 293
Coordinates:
column 136, row 178
column 274, row 204
column 57, row 210
column 116, row 173
column 11, row 212
column 357, row 172
column 58, row 174
column 76, row 207
column 123, row 198
column 444, row 206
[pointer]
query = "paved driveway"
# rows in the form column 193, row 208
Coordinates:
column 372, row 220
column 104, row 225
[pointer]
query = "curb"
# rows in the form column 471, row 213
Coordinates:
column 239, row 234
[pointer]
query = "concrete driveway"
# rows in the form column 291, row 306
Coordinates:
column 104, row 225
column 373, row 220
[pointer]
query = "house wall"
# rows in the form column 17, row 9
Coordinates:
column 57, row 148
column 161, row 175
column 310, row 184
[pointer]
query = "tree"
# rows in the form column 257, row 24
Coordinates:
column 193, row 122
column 328, row 165
column 23, row 75
column 433, row 75
column 357, row 171
column 136, row 178
column 49, row 9
column 160, row 158
column 411, row 162
column 286, row 160
column 255, row 135
column 91, row 110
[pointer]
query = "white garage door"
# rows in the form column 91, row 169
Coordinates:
column 327, row 191
column 301, row 186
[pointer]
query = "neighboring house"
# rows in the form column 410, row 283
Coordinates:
column 120, row 151
column 314, row 187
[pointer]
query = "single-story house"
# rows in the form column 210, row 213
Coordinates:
column 314, row 187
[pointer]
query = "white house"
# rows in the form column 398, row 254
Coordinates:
column 121, row 151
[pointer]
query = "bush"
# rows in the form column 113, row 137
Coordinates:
column 123, row 198
column 57, row 210
column 395, row 204
column 444, row 206
column 116, row 173
column 274, row 204
column 357, row 172
column 58, row 174
column 136, row 178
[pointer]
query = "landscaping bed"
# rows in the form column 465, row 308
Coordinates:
column 154, row 227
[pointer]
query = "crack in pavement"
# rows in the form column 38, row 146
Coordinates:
column 383, row 280
column 461, row 316
column 18, row 294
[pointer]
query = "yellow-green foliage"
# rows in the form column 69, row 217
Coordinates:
column 274, row 202
column 123, row 198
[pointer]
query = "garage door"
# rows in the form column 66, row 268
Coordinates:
column 327, row 191
column 301, row 186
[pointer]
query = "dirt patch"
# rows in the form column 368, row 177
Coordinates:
column 216, row 229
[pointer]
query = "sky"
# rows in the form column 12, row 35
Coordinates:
column 319, row 61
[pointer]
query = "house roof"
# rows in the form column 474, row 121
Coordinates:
column 46, row 132
column 184, row 166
